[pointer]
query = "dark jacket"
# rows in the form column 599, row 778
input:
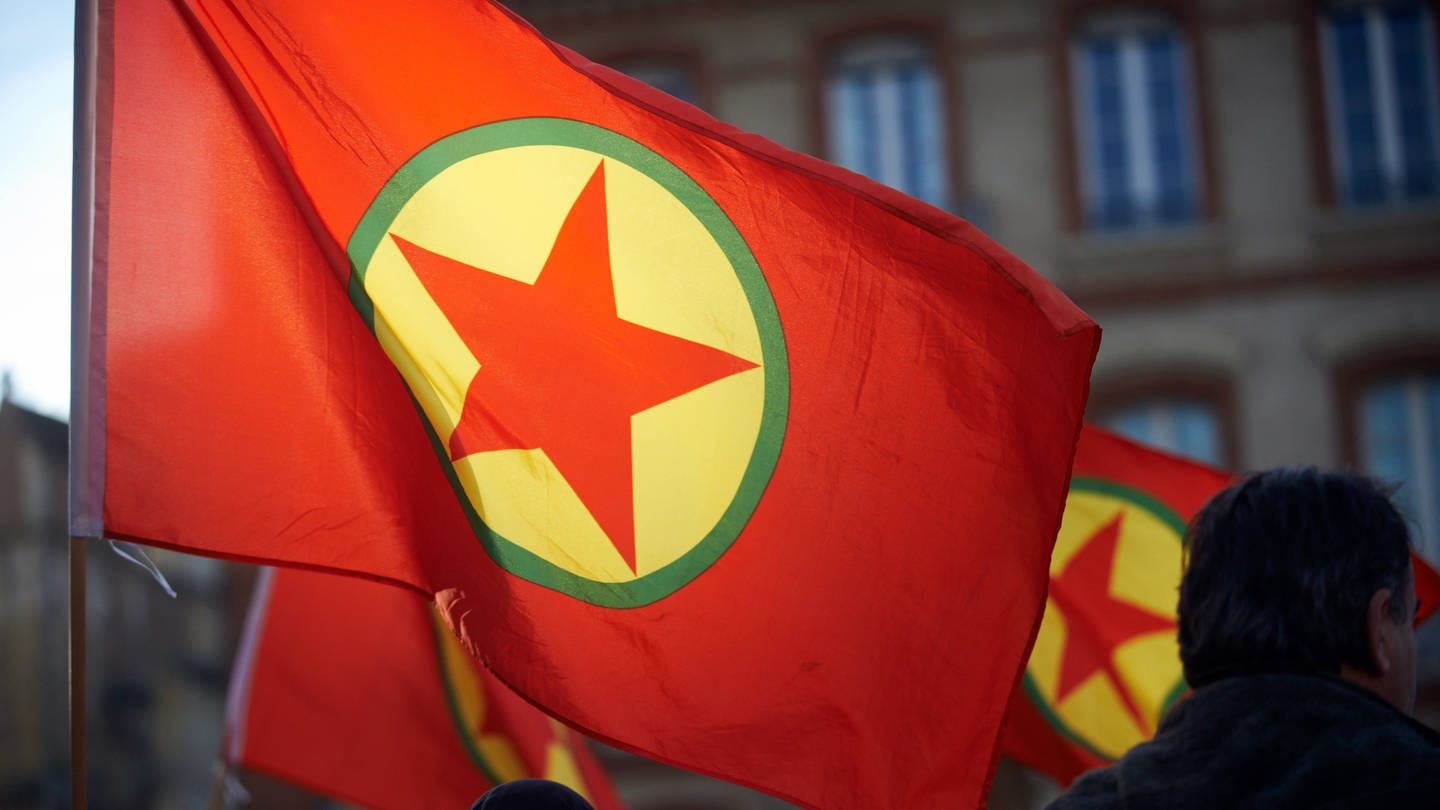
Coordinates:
column 1273, row 741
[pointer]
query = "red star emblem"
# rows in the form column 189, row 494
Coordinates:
column 1096, row 622
column 559, row 369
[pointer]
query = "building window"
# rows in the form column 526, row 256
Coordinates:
column 1380, row 78
column 885, row 115
column 1185, row 426
column 1135, row 122
column 1398, row 432
column 670, row 76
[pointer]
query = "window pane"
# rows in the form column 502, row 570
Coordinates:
column 852, row 122
column 1111, row 205
column 1169, row 130
column 1414, row 100
column 1197, row 432
column 1181, row 425
column 1355, row 99
column 667, row 77
column 913, row 99
column 1384, row 436
column 1137, row 148
column 885, row 116
column 1134, row 423
column 1380, row 73
column 1400, row 443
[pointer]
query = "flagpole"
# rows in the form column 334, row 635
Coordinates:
column 82, row 187
column 77, row 672
column 217, row 787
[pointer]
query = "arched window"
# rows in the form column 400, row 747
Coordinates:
column 1184, row 426
column 1381, row 97
column 885, row 114
column 675, row 76
column 1396, row 433
column 1136, row 137
column 1186, row 414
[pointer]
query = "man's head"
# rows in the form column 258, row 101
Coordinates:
column 531, row 794
column 1297, row 570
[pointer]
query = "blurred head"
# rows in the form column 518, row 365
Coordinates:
column 1300, row 571
column 531, row 794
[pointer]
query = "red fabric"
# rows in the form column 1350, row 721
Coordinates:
column 1427, row 588
column 339, row 688
column 882, row 595
column 1027, row 737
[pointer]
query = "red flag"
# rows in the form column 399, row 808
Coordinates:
column 356, row 690
column 725, row 455
column 1427, row 587
column 1106, row 666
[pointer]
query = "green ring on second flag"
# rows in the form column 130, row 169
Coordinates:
column 595, row 350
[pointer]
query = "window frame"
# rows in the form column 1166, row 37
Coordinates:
column 933, row 32
column 1187, row 21
column 1354, row 378
column 1116, row 390
column 691, row 60
column 1323, row 146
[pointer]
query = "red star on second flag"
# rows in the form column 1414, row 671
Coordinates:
column 1098, row 621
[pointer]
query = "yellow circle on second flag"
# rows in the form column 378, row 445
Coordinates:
column 1140, row 576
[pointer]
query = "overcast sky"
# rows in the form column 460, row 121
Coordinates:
column 35, row 114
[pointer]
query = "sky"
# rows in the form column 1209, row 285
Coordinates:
column 36, row 95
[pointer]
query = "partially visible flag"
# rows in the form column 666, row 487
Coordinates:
column 1105, row 667
column 700, row 444
column 1427, row 588
column 356, row 690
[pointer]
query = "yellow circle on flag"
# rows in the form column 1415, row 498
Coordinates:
column 677, row 267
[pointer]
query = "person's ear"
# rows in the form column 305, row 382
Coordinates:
column 1378, row 627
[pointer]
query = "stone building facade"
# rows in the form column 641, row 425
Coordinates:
column 157, row 667
column 33, row 593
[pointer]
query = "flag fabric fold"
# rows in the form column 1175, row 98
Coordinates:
column 725, row 455
column 358, row 691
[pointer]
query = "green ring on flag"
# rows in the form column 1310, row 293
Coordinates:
column 466, row 735
column 439, row 156
column 1164, row 514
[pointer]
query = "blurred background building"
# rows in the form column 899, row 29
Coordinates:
column 158, row 667
column 1244, row 193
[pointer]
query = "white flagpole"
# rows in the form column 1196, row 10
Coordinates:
column 82, row 485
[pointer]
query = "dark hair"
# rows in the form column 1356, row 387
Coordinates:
column 531, row 794
column 1279, row 574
